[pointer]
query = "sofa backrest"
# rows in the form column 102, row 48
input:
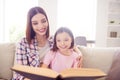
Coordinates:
column 7, row 51
column 98, row 57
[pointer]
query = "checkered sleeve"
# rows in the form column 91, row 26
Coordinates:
column 21, row 58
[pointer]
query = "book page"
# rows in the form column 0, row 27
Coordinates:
column 82, row 72
column 35, row 70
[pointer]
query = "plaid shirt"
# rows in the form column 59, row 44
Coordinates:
column 27, row 55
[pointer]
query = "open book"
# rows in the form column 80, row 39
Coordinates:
column 36, row 73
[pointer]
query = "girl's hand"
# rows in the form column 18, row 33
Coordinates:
column 26, row 79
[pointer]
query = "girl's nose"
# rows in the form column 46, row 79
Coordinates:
column 62, row 43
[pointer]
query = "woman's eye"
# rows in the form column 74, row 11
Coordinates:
column 43, row 21
column 34, row 23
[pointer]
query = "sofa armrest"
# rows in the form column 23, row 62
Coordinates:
column 7, row 51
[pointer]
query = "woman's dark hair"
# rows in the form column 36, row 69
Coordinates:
column 30, row 34
column 61, row 30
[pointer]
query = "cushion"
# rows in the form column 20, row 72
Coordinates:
column 114, row 72
column 7, row 51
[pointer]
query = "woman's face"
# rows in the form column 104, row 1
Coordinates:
column 39, row 24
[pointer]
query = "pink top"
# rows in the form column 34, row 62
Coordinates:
column 59, row 62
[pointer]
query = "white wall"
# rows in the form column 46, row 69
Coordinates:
column 102, row 20
column 101, row 27
column 50, row 7
column 4, row 31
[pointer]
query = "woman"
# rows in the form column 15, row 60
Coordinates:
column 31, row 49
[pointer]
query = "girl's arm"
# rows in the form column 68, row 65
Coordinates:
column 47, row 59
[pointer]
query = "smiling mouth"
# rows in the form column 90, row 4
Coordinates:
column 63, row 47
column 42, row 30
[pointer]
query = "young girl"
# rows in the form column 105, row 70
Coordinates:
column 62, row 55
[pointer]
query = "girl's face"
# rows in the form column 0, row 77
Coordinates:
column 39, row 24
column 63, row 41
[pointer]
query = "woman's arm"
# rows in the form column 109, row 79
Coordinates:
column 20, row 58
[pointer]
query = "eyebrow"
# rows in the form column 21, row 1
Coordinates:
column 33, row 21
column 41, row 20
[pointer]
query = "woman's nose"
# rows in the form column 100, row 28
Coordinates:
column 40, row 25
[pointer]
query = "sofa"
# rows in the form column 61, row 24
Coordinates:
column 100, row 58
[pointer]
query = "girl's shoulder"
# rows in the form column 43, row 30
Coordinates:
column 51, row 54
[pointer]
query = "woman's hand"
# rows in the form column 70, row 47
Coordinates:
column 80, row 57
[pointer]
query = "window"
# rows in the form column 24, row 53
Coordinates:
column 79, row 16
column 13, row 18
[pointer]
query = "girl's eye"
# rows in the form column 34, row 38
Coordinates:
column 66, row 40
column 58, row 40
